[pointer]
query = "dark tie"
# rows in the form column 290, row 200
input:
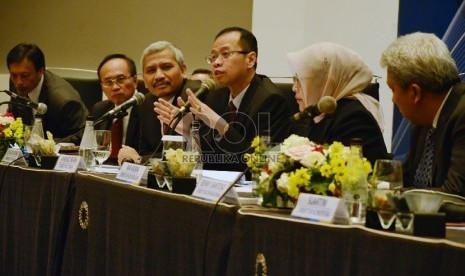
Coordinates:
column 116, row 137
column 232, row 112
column 423, row 175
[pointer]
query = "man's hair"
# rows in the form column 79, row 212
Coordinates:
column 129, row 61
column 161, row 46
column 423, row 59
column 27, row 51
column 202, row 71
column 247, row 41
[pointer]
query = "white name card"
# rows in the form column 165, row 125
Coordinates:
column 13, row 155
column 211, row 189
column 321, row 209
column 131, row 173
column 69, row 163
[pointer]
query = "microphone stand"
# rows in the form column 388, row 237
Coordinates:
column 15, row 103
column 120, row 114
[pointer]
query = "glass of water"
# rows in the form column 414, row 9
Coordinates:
column 102, row 147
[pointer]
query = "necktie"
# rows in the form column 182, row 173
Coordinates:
column 423, row 174
column 232, row 112
column 116, row 137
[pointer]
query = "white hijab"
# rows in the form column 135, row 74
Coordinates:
column 330, row 69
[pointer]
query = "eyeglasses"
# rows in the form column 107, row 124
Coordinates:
column 118, row 80
column 224, row 55
column 295, row 79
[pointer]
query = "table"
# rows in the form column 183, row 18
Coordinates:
column 137, row 231
column 270, row 240
column 32, row 213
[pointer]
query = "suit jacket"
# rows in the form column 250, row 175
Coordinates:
column 449, row 152
column 66, row 113
column 132, row 131
column 150, row 126
column 262, row 108
column 350, row 120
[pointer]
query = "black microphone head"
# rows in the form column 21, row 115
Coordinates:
column 140, row 97
column 327, row 105
column 41, row 108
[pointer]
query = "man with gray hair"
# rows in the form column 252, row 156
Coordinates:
column 427, row 90
column 164, row 74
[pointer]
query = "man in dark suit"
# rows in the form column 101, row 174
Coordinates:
column 246, row 104
column 118, row 78
column 426, row 88
column 66, row 113
column 164, row 74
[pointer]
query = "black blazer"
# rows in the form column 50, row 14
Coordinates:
column 132, row 131
column 262, row 108
column 449, row 152
column 150, row 126
column 66, row 113
column 350, row 120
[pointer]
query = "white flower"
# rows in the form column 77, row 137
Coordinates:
column 295, row 140
column 6, row 120
column 283, row 182
column 313, row 159
column 299, row 151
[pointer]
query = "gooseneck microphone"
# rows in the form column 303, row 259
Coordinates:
column 207, row 85
column 40, row 107
column 326, row 105
column 137, row 99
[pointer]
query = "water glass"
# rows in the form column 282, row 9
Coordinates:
column 102, row 147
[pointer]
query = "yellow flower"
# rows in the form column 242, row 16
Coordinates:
column 297, row 179
column 8, row 133
column 332, row 188
column 326, row 170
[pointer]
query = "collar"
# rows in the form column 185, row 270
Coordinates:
column 238, row 99
column 436, row 118
column 35, row 93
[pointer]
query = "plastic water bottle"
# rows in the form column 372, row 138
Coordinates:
column 194, row 145
column 87, row 143
column 37, row 133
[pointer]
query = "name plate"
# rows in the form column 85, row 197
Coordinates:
column 131, row 173
column 69, row 163
column 13, row 155
column 321, row 209
column 211, row 189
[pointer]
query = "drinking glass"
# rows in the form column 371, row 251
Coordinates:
column 387, row 175
column 102, row 147
column 385, row 181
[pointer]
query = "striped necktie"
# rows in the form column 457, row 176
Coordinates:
column 423, row 174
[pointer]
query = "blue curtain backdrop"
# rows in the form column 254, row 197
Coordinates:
column 431, row 16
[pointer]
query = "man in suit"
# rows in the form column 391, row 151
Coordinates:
column 164, row 74
column 118, row 78
column 246, row 104
column 66, row 113
column 426, row 88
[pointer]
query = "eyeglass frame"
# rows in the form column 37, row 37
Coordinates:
column 224, row 55
column 295, row 79
column 118, row 80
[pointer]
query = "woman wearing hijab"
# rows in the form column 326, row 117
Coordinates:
column 330, row 69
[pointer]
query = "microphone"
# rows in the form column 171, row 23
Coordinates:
column 40, row 107
column 136, row 99
column 326, row 105
column 207, row 85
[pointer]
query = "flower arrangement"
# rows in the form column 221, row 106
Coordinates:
column 181, row 163
column 43, row 147
column 300, row 165
column 12, row 132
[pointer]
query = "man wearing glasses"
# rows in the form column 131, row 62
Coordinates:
column 118, row 78
column 246, row 105
column 66, row 113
